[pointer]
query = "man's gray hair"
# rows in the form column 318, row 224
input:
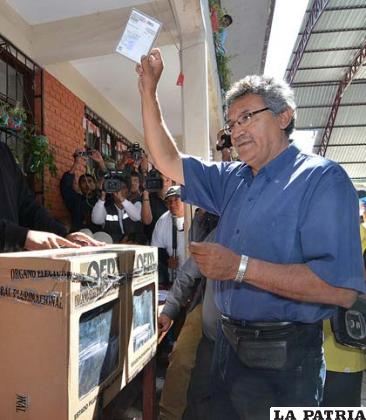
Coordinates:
column 276, row 94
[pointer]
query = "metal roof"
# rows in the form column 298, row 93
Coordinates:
column 327, row 71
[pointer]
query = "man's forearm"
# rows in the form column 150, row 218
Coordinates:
column 296, row 281
column 161, row 145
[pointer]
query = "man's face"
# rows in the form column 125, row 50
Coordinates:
column 225, row 22
column 175, row 206
column 87, row 185
column 135, row 184
column 263, row 138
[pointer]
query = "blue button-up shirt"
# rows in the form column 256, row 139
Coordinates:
column 299, row 208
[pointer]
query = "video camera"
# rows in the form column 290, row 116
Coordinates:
column 84, row 153
column 153, row 181
column 135, row 151
column 224, row 142
column 113, row 181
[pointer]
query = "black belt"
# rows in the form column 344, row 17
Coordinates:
column 256, row 325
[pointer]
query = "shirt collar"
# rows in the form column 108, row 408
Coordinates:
column 273, row 167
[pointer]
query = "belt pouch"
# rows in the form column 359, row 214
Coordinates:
column 281, row 349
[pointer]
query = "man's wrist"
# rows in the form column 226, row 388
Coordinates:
column 243, row 265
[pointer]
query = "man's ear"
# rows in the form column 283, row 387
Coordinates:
column 285, row 117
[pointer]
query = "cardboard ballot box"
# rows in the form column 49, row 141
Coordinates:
column 69, row 319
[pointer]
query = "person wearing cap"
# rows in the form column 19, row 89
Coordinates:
column 276, row 278
column 162, row 236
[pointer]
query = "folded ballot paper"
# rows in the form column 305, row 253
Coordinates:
column 139, row 36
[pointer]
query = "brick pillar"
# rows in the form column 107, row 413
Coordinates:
column 63, row 125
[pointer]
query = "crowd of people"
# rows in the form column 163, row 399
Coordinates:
column 274, row 249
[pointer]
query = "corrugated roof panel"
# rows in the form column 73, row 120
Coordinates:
column 356, row 93
column 354, row 135
column 340, row 46
column 345, row 3
column 336, row 40
column 315, row 95
column 319, row 75
column 355, row 170
column 351, row 115
column 327, row 58
column 352, row 18
column 308, row 118
column 346, row 154
column 361, row 74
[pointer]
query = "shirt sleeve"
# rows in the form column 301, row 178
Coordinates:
column 182, row 288
column 205, row 183
column 133, row 210
column 157, row 236
column 69, row 195
column 331, row 238
column 99, row 213
column 12, row 236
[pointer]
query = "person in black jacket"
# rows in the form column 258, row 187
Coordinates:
column 24, row 224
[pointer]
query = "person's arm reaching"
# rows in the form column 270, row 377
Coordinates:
column 158, row 139
column 99, row 213
column 132, row 209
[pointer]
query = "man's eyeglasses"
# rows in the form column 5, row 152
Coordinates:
column 243, row 120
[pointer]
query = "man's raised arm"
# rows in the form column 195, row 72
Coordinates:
column 162, row 147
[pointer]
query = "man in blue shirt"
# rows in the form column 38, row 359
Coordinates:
column 287, row 247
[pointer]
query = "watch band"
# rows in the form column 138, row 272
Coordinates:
column 242, row 268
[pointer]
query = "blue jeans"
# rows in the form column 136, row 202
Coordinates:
column 245, row 393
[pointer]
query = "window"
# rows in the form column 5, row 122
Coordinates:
column 20, row 84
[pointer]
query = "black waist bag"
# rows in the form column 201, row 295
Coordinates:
column 279, row 348
column 349, row 325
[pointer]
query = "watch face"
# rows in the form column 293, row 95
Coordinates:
column 355, row 325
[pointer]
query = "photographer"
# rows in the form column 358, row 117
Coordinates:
column 224, row 146
column 114, row 211
column 153, row 198
column 80, row 204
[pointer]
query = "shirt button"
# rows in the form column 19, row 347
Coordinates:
column 237, row 231
column 250, row 199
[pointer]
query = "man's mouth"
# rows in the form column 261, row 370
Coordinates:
column 243, row 143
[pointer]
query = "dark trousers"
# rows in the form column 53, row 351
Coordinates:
column 342, row 389
column 239, row 392
column 199, row 391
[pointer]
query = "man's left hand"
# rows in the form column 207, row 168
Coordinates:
column 82, row 239
column 214, row 260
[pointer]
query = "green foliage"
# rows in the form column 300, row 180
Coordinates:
column 40, row 156
column 222, row 59
column 14, row 120
column 223, row 68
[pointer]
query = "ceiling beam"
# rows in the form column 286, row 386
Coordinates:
column 321, row 127
column 324, row 83
column 343, row 85
column 330, row 105
column 315, row 12
column 337, row 30
column 342, row 145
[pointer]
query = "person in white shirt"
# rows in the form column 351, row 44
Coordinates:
column 113, row 212
column 162, row 236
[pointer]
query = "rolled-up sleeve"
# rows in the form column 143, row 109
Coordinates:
column 330, row 233
column 204, row 183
